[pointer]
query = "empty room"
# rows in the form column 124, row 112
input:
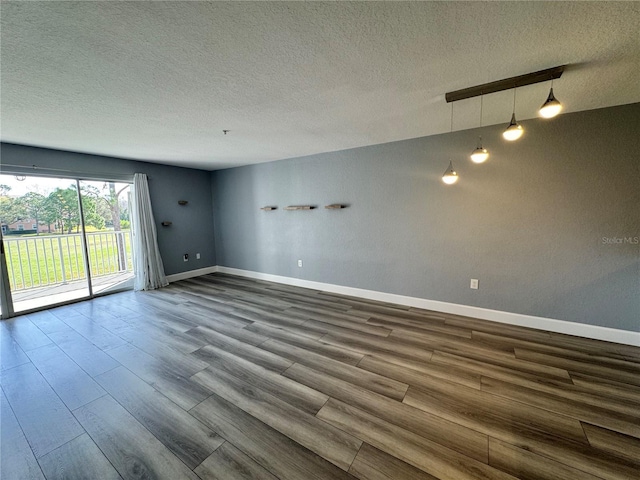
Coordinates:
column 319, row 240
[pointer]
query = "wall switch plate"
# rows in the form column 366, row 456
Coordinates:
column 185, row 257
column 474, row 283
column 197, row 256
column 300, row 263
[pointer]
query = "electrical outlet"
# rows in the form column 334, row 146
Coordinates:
column 474, row 283
column 185, row 257
column 300, row 263
column 197, row 256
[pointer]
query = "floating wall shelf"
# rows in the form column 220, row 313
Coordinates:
column 299, row 207
column 335, row 206
column 166, row 224
column 182, row 202
column 268, row 209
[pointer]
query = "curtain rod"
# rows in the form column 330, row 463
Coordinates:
column 77, row 174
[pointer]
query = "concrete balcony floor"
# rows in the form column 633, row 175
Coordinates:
column 33, row 298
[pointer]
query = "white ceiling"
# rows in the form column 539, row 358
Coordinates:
column 159, row 81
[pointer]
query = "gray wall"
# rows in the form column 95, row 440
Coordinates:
column 529, row 224
column 192, row 229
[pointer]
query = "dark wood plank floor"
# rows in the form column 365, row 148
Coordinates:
column 221, row 377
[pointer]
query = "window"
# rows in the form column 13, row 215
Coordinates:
column 34, row 226
column 20, row 227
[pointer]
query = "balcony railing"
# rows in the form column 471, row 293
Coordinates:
column 40, row 261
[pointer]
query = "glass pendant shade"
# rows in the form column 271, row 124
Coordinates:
column 480, row 154
column 514, row 131
column 551, row 107
column 450, row 175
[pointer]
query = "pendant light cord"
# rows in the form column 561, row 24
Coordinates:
column 451, row 117
column 480, row 136
column 514, row 99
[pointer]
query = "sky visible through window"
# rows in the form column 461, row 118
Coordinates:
column 43, row 185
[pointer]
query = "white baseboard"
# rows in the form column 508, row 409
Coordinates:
column 191, row 273
column 625, row 337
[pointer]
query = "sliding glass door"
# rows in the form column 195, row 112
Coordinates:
column 63, row 240
column 108, row 233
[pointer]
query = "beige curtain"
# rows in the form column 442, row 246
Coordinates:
column 148, row 265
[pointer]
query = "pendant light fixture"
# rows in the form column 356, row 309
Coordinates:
column 514, row 131
column 480, row 154
column 450, row 175
column 551, row 107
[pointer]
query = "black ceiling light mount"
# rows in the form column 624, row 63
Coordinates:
column 506, row 84
column 514, row 130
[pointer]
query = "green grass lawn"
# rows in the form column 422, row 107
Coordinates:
column 36, row 261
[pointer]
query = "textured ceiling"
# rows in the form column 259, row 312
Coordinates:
column 159, row 81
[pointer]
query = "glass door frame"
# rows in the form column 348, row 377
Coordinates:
column 85, row 249
column 5, row 291
column 5, row 286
